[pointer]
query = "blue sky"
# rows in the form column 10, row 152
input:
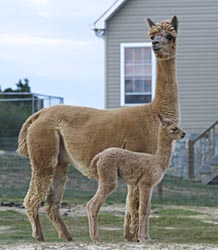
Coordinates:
column 50, row 42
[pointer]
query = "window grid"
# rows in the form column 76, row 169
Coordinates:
column 137, row 73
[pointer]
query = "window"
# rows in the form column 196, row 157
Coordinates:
column 137, row 73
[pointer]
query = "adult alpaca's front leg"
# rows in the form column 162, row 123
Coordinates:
column 131, row 220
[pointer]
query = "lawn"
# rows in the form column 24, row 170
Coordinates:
column 187, row 212
column 190, row 225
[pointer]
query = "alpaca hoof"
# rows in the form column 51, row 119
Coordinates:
column 66, row 237
column 146, row 240
column 131, row 237
column 128, row 237
column 40, row 238
column 69, row 239
column 96, row 240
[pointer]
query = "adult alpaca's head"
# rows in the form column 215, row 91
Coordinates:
column 163, row 38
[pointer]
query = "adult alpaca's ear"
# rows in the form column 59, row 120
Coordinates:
column 175, row 23
column 150, row 22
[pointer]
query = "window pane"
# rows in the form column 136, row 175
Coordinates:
column 138, row 55
column 139, row 85
column 129, row 69
column 129, row 55
column 147, row 69
column 139, row 69
column 143, row 84
column 147, row 85
column 132, row 99
column 147, row 54
column 129, row 85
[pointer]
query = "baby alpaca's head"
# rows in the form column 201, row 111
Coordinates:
column 171, row 129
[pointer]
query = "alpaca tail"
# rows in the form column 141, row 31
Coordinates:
column 22, row 142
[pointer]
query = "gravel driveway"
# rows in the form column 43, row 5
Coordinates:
column 107, row 246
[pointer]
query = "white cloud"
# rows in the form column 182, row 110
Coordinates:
column 38, row 2
column 43, row 13
column 6, row 38
column 12, row 38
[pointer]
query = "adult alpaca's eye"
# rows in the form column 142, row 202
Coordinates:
column 152, row 37
column 169, row 37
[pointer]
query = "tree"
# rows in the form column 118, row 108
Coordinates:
column 13, row 112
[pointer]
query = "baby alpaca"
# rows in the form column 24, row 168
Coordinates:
column 137, row 169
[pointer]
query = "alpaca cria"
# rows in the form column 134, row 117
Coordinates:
column 60, row 135
column 137, row 169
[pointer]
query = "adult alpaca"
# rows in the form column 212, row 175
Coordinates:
column 60, row 135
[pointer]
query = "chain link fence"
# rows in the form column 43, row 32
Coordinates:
column 15, row 107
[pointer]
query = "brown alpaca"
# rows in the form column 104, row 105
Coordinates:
column 137, row 169
column 61, row 135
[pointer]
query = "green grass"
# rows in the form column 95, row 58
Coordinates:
column 172, row 224
column 183, row 226
column 184, row 192
column 167, row 225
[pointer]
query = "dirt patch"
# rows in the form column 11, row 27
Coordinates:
column 204, row 210
column 73, row 210
column 4, row 229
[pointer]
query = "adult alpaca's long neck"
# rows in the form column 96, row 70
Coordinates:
column 166, row 97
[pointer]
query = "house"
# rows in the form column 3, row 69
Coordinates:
column 124, row 30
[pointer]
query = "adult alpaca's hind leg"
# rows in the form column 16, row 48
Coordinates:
column 39, row 185
column 54, row 199
column 43, row 150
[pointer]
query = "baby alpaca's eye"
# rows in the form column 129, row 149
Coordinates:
column 174, row 129
column 152, row 37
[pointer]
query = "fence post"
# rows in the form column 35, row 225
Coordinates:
column 191, row 159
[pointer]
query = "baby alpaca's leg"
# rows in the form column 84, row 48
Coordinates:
column 107, row 182
column 147, row 223
column 145, row 194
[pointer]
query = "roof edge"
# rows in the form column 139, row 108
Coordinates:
column 100, row 23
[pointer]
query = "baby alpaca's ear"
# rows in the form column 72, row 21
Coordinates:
column 161, row 118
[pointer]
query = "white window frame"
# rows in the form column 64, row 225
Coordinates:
column 122, row 70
